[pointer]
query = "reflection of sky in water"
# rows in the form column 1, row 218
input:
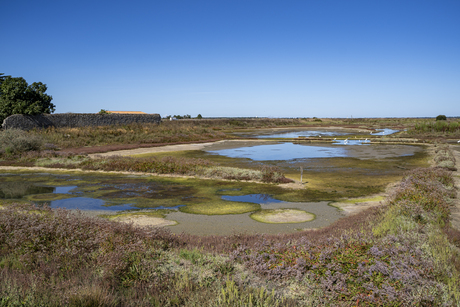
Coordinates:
column 284, row 151
column 64, row 190
column 86, row 203
column 252, row 198
column 306, row 133
column 384, row 132
column 352, row 142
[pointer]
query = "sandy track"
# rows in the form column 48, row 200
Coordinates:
column 167, row 148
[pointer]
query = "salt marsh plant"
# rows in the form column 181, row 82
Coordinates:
column 449, row 128
column 165, row 133
column 14, row 142
column 166, row 165
column 444, row 157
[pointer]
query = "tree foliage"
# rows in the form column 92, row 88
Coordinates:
column 441, row 117
column 2, row 77
column 18, row 97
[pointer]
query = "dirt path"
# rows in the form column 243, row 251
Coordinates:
column 167, row 148
column 455, row 211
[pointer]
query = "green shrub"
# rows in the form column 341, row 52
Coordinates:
column 15, row 141
column 441, row 117
column 438, row 126
column 103, row 112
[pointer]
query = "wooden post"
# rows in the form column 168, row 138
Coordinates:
column 301, row 174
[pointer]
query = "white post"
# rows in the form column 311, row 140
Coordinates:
column 301, row 174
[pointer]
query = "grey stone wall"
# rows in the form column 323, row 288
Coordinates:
column 27, row 122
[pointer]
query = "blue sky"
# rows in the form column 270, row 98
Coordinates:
column 324, row 58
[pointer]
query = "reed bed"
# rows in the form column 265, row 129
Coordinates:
column 163, row 133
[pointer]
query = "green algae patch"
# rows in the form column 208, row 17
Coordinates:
column 362, row 200
column 154, row 219
column 47, row 197
column 7, row 202
column 355, row 205
column 282, row 216
column 221, row 207
column 155, row 213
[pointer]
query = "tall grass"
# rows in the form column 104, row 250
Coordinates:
column 14, row 142
column 165, row 132
column 441, row 128
column 438, row 126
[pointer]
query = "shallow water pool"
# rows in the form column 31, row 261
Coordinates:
column 281, row 151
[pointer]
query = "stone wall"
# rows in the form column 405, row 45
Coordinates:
column 27, row 122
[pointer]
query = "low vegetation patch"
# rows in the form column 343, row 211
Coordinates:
column 282, row 216
column 397, row 263
column 444, row 157
column 438, row 128
column 220, row 207
column 156, row 165
column 164, row 133
column 14, row 142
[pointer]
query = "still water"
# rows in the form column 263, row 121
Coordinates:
column 281, row 151
column 308, row 133
column 105, row 195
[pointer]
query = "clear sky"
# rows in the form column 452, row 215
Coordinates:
column 323, row 58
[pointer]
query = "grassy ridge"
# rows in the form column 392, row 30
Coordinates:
column 160, row 165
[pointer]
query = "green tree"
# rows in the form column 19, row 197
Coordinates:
column 2, row 77
column 18, row 97
column 199, row 116
column 441, row 117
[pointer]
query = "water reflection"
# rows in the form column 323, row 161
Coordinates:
column 64, row 190
column 351, row 142
column 384, row 132
column 282, row 151
column 308, row 133
column 18, row 189
column 87, row 203
column 304, row 133
column 252, row 198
